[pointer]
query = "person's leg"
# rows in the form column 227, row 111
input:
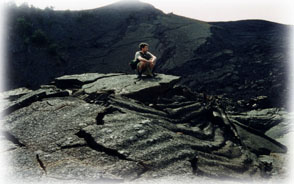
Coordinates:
column 152, row 64
column 140, row 68
column 148, row 70
column 153, row 67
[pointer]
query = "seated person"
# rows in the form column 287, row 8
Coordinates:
column 147, row 61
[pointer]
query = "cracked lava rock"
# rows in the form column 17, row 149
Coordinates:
column 115, row 128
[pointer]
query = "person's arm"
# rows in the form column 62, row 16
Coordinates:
column 142, row 59
column 137, row 55
column 152, row 58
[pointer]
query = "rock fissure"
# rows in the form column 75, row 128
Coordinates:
column 95, row 146
column 12, row 138
column 72, row 82
column 112, row 152
column 108, row 110
column 31, row 97
column 41, row 163
column 194, row 164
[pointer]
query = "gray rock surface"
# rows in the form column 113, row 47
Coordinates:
column 116, row 128
column 127, row 85
column 282, row 132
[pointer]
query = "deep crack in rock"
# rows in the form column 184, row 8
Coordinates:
column 108, row 110
column 194, row 164
column 94, row 145
column 41, row 163
column 12, row 138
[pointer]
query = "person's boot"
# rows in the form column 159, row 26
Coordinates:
column 153, row 72
column 139, row 76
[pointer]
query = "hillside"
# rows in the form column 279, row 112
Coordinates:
column 242, row 60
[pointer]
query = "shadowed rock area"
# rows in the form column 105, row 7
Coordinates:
column 115, row 128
